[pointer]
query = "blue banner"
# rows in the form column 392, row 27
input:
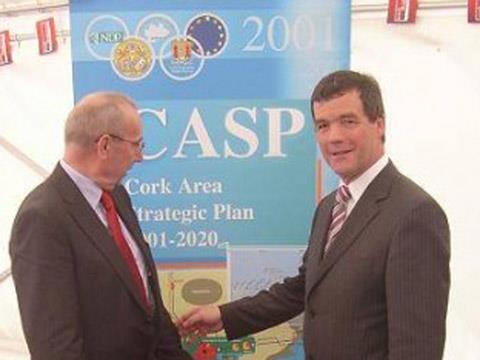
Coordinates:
column 230, row 160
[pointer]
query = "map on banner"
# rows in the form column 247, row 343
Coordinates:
column 231, row 170
column 182, row 289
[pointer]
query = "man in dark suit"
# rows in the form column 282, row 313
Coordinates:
column 374, row 280
column 85, row 279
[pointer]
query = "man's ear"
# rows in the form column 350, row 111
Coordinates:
column 102, row 146
column 380, row 122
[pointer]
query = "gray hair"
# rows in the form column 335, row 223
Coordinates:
column 94, row 115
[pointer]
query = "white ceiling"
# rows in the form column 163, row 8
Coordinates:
column 8, row 3
column 15, row 4
column 19, row 5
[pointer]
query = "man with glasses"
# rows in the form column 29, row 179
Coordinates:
column 85, row 278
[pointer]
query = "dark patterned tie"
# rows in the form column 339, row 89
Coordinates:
column 125, row 251
column 339, row 214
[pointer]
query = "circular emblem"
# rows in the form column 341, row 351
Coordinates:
column 102, row 34
column 179, row 61
column 132, row 59
column 156, row 29
column 211, row 33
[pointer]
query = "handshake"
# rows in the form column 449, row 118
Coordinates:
column 200, row 321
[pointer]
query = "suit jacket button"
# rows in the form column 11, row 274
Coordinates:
column 311, row 313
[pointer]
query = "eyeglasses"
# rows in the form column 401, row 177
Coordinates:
column 139, row 144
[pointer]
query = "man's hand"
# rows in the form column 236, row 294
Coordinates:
column 200, row 321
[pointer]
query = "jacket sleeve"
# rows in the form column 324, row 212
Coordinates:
column 281, row 302
column 268, row 308
column 44, row 277
column 417, row 284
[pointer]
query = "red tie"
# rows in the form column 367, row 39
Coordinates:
column 339, row 214
column 116, row 232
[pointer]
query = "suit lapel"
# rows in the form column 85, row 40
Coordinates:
column 366, row 209
column 96, row 232
column 319, row 231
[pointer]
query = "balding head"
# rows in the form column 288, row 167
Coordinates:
column 94, row 115
column 103, row 137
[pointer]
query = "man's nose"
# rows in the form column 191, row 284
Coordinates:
column 336, row 133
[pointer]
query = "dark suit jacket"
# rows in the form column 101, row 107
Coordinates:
column 380, row 292
column 76, row 296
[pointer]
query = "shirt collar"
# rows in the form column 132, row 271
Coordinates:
column 89, row 189
column 358, row 186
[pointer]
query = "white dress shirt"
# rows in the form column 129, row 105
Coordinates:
column 358, row 186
